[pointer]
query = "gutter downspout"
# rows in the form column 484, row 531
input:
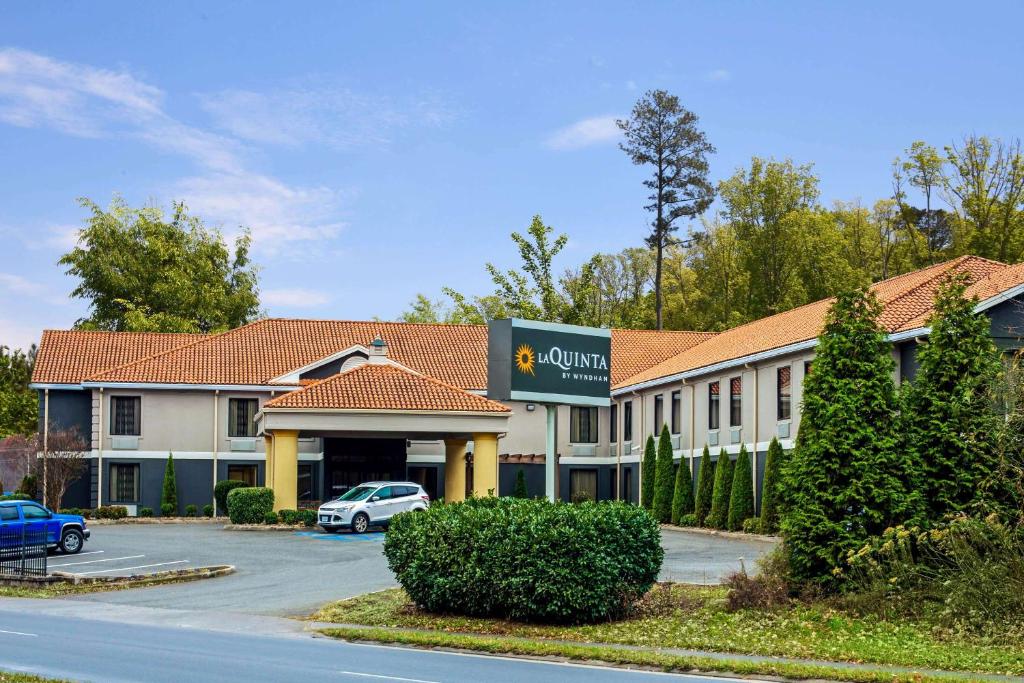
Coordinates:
column 99, row 456
column 46, row 438
column 618, row 454
column 753, row 469
column 643, row 445
column 693, row 408
column 216, row 396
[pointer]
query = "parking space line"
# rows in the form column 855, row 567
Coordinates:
column 385, row 678
column 124, row 569
column 107, row 559
column 19, row 633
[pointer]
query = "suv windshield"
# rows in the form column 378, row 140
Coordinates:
column 358, row 493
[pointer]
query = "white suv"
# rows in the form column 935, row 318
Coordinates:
column 374, row 502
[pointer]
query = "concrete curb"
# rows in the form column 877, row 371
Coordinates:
column 153, row 579
column 267, row 527
column 723, row 534
column 154, row 520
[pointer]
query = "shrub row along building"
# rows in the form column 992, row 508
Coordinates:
column 313, row 407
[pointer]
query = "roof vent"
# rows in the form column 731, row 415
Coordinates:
column 378, row 351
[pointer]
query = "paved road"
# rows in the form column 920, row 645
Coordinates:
column 100, row 650
column 288, row 574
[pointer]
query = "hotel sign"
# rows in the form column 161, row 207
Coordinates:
column 548, row 363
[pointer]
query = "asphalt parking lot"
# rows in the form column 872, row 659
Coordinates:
column 288, row 573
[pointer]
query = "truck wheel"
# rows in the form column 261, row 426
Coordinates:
column 71, row 541
column 360, row 523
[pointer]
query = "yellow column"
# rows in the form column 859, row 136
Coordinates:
column 454, row 470
column 485, row 465
column 286, row 469
column 268, row 467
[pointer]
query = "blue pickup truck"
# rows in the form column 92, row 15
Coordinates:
column 63, row 532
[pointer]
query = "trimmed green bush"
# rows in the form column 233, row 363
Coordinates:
column 290, row 516
column 271, row 518
column 191, row 510
column 70, row 511
column 166, row 510
column 308, row 517
column 169, row 493
column 752, row 525
column 208, row 510
column 705, row 488
column 16, row 496
column 770, row 494
column 528, row 560
column 664, row 478
column 520, row 490
column 251, row 505
column 688, row 520
column 111, row 512
column 741, row 497
column 145, row 512
column 221, row 491
column 718, row 518
column 682, row 496
column 648, row 475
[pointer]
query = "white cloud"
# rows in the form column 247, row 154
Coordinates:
column 295, row 298
column 17, row 335
column 593, row 131
column 718, row 76
column 19, row 286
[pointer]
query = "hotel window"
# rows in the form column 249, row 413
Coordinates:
column 784, row 392
column 582, row 485
column 676, row 409
column 659, row 413
column 613, row 423
column 582, row 424
column 735, row 401
column 241, row 416
column 125, row 415
column 713, row 411
column 627, row 420
column 124, row 482
column 243, row 473
column 807, row 367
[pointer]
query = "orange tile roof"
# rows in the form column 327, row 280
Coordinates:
column 383, row 386
column 637, row 350
column 906, row 299
column 70, row 356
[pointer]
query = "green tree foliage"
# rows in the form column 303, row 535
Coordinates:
column 664, row 481
column 648, row 474
column 520, row 490
column 663, row 135
column 845, row 480
column 948, row 421
column 705, row 488
column 682, row 495
column 169, row 493
column 143, row 271
column 741, row 497
column 19, row 405
column 718, row 517
column 770, row 493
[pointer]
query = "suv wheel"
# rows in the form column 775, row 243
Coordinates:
column 71, row 541
column 360, row 523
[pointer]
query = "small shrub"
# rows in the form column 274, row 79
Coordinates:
column 761, row 592
column 71, row 511
column 529, row 560
column 752, row 525
column 111, row 512
column 289, row 516
column 520, row 490
column 270, row 518
column 167, row 509
column 688, row 520
column 208, row 510
column 665, row 600
column 705, row 488
column 88, row 513
column 308, row 517
column 741, row 497
column 145, row 512
column 29, row 486
column 191, row 510
column 251, row 505
column 221, row 491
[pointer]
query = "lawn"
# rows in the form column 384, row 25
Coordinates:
column 694, row 617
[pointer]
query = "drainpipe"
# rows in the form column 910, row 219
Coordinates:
column 618, row 454
column 753, row 472
column 693, row 403
column 643, row 444
column 99, row 457
column 216, row 396
column 46, row 439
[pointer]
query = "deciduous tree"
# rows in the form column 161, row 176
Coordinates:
column 19, row 405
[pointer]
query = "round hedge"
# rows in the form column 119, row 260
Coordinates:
column 528, row 560
column 250, row 505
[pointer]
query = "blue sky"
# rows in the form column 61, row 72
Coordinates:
column 377, row 150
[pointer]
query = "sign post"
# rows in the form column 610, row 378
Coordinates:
column 552, row 364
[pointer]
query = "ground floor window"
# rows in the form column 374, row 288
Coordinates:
column 243, row 473
column 583, row 485
column 305, row 482
column 124, row 482
column 613, row 482
column 425, row 477
column 627, row 484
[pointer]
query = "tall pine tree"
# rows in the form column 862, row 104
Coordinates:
column 705, row 487
column 770, row 493
column 845, row 480
column 648, row 474
column 741, row 499
column 948, row 420
column 664, row 480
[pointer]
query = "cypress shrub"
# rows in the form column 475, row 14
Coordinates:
column 527, row 560
column 520, row 490
column 718, row 518
column 770, row 488
column 682, row 498
column 251, row 505
column 648, row 474
column 705, row 488
column 741, row 497
column 221, row 491
column 169, row 494
column 664, row 479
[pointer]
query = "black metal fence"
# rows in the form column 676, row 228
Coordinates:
column 22, row 552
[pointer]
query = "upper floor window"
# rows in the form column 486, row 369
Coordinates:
column 242, row 416
column 735, row 401
column 627, row 420
column 583, row 424
column 126, row 415
column 784, row 392
column 713, row 403
column 613, row 423
column 659, row 412
column 676, row 409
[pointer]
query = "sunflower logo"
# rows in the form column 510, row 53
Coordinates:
column 524, row 359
